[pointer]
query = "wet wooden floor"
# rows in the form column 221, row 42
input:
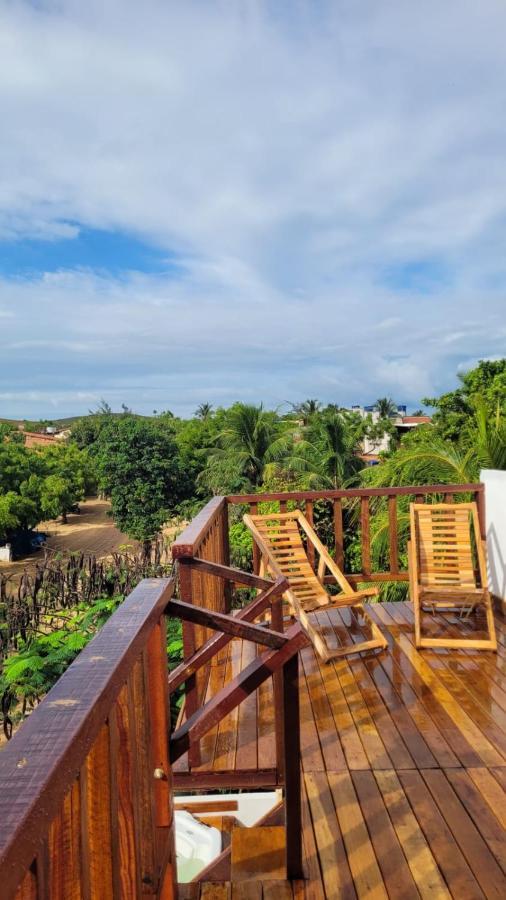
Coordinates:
column 404, row 765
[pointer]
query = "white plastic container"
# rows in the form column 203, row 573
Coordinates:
column 196, row 845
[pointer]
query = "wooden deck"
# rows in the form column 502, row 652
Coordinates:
column 404, row 765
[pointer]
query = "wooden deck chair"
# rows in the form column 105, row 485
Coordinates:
column 445, row 542
column 279, row 539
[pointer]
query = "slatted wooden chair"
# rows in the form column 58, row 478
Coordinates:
column 446, row 553
column 279, row 539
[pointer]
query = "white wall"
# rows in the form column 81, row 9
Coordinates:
column 495, row 505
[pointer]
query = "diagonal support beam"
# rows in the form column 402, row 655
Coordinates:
column 227, row 624
column 236, row 691
column 205, row 653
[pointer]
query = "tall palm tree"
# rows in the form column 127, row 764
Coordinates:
column 386, row 407
column 246, row 440
column 307, row 410
column 326, row 455
column 204, row 411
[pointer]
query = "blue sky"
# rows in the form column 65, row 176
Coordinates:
column 211, row 202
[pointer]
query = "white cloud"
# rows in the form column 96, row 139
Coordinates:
column 287, row 160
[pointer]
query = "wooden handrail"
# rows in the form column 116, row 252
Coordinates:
column 404, row 490
column 39, row 766
column 191, row 538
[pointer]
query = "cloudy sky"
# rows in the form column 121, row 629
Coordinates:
column 211, row 201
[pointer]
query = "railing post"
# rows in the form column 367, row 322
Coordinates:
column 277, row 685
column 191, row 685
column 253, row 509
column 365, row 535
column 392, row 535
column 338, row 532
column 225, row 556
column 310, row 517
column 293, row 802
column 159, row 714
column 480, row 503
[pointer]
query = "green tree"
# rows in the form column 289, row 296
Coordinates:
column 326, row 454
column 204, row 411
column 17, row 512
column 454, row 411
column 386, row 407
column 138, row 468
column 307, row 410
column 245, row 443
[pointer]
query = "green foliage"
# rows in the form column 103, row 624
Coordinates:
column 325, row 453
column 245, row 443
column 40, row 483
column 486, row 383
column 41, row 659
column 386, row 407
column 241, row 546
column 139, row 468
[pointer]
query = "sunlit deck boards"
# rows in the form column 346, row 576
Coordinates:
column 404, row 764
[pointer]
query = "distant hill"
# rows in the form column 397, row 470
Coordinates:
column 40, row 424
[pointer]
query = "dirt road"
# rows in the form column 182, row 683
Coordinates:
column 90, row 531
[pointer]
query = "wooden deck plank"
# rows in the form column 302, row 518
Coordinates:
column 390, row 736
column 478, row 855
column 491, row 791
column 483, row 725
column 450, row 859
column 247, row 725
column 429, row 718
column 226, row 741
column 266, row 750
column 481, row 814
column 328, row 735
column 335, row 870
column 468, row 674
column 465, row 738
column 397, row 877
column 364, row 868
column 373, row 745
column 404, row 762
column 353, row 749
column 419, row 856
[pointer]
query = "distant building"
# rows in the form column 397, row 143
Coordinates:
column 402, row 422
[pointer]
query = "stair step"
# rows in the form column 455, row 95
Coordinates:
column 258, row 853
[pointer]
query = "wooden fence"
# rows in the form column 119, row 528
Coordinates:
column 86, row 785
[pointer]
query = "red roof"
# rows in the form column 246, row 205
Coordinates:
column 416, row 420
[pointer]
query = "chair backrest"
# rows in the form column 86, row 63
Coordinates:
column 445, row 536
column 279, row 537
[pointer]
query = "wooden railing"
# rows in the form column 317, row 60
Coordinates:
column 278, row 661
column 85, row 785
column 367, row 500
column 205, row 538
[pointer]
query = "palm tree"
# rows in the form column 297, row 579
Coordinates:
column 307, row 410
column 326, row 456
column 247, row 439
column 386, row 407
column 204, row 411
